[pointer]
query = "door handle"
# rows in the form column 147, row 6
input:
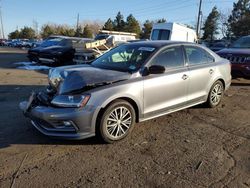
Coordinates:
column 184, row 77
column 211, row 71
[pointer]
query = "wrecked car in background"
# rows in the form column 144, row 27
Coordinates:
column 239, row 55
column 88, row 51
column 54, row 51
column 131, row 83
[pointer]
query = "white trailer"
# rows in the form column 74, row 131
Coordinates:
column 172, row 31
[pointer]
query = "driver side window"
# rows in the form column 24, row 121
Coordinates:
column 170, row 58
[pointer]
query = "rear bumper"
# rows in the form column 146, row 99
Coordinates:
column 51, row 121
column 227, row 84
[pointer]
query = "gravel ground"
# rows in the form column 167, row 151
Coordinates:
column 196, row 147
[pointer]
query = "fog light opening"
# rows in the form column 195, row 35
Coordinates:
column 67, row 123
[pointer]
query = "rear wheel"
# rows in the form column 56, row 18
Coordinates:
column 215, row 94
column 117, row 121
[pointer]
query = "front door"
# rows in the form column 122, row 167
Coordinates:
column 167, row 91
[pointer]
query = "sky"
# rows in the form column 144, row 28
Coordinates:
column 20, row 13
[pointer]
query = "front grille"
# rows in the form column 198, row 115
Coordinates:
column 235, row 59
column 45, row 55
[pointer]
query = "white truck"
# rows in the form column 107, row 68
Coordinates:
column 172, row 31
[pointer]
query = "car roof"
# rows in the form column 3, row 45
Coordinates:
column 161, row 43
column 65, row 37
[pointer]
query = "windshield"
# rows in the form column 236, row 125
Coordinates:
column 125, row 58
column 54, row 42
column 101, row 36
column 243, row 42
column 160, row 34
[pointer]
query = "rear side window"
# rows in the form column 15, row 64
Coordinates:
column 197, row 56
column 169, row 58
column 160, row 34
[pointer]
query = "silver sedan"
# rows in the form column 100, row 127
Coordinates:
column 131, row 83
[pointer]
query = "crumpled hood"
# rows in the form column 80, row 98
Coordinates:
column 85, row 77
column 235, row 51
column 36, row 49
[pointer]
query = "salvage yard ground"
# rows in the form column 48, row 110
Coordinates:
column 196, row 147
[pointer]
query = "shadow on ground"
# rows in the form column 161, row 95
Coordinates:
column 15, row 128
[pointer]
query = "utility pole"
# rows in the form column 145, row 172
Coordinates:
column 35, row 27
column 77, row 26
column 77, row 21
column 198, row 21
column 1, row 19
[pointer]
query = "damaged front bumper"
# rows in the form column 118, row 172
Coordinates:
column 66, row 123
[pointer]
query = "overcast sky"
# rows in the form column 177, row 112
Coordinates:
column 19, row 13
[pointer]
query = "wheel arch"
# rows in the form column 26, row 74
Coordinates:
column 107, row 104
column 212, row 83
column 215, row 80
column 125, row 98
column 223, row 82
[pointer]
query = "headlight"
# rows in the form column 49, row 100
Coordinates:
column 248, row 58
column 74, row 101
column 54, row 77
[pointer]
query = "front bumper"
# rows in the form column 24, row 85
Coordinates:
column 33, row 56
column 241, row 70
column 50, row 121
column 47, row 60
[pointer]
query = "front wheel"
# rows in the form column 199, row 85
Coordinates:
column 215, row 94
column 117, row 121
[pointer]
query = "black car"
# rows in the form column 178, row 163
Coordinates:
column 56, row 50
column 217, row 46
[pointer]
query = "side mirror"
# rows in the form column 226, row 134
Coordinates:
column 156, row 69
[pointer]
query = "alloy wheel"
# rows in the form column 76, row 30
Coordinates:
column 216, row 94
column 118, row 122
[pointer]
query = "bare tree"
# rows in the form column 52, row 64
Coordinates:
column 93, row 25
column 223, row 23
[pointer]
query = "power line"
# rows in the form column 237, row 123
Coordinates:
column 164, row 10
column 143, row 9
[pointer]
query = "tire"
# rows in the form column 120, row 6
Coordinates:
column 215, row 94
column 114, row 128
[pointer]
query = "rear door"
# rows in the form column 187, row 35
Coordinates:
column 167, row 91
column 201, row 68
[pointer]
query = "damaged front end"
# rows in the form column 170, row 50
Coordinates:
column 63, row 110
column 36, row 99
column 53, row 117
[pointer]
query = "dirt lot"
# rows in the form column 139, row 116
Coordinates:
column 197, row 147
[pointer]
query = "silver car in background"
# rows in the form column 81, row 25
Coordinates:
column 131, row 83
